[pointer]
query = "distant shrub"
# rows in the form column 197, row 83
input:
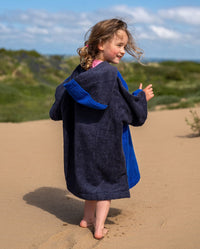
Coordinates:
column 168, row 63
column 23, row 54
column 5, row 68
column 195, row 123
column 189, row 66
column 181, row 105
column 56, row 57
column 164, row 101
column 174, row 74
column 9, row 94
column 2, row 50
column 71, row 62
column 33, row 53
column 20, row 53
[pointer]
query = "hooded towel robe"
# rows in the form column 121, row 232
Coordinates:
column 96, row 109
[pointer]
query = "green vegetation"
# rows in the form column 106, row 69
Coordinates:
column 176, row 84
column 195, row 123
column 28, row 81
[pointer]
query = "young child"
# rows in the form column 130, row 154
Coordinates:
column 96, row 109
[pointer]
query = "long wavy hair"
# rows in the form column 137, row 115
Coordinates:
column 102, row 32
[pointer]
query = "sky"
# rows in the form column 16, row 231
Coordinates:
column 163, row 29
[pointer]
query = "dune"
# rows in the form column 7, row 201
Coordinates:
column 37, row 211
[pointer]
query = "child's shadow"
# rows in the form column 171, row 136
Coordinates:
column 59, row 203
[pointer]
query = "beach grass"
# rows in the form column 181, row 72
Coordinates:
column 28, row 81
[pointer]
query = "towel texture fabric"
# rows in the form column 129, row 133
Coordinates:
column 96, row 109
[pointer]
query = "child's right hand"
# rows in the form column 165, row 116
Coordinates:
column 148, row 91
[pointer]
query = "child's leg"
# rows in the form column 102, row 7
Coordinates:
column 102, row 208
column 89, row 214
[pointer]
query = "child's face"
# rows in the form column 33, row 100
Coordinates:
column 113, row 50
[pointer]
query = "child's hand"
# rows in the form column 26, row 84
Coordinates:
column 148, row 91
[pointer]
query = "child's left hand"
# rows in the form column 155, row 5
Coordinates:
column 148, row 91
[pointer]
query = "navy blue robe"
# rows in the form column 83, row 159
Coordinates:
column 96, row 109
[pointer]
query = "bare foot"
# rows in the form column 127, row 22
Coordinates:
column 99, row 234
column 84, row 223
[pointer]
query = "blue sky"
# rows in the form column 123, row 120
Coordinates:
column 163, row 29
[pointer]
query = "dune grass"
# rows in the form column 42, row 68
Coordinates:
column 28, row 81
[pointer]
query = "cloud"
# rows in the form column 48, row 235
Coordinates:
column 42, row 30
column 165, row 33
column 37, row 30
column 4, row 29
column 44, row 18
column 189, row 15
column 136, row 15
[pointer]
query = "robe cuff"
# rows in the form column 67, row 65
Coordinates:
column 135, row 93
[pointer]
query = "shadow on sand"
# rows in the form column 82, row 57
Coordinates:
column 60, row 203
column 190, row 136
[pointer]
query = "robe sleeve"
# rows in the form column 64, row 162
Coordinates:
column 55, row 111
column 134, row 106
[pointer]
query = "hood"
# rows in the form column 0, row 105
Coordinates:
column 93, row 88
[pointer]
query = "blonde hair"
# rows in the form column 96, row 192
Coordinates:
column 102, row 32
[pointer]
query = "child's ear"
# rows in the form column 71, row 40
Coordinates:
column 101, row 46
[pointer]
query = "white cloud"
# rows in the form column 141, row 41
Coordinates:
column 136, row 15
column 40, row 28
column 4, row 28
column 190, row 15
column 37, row 30
column 146, row 36
column 164, row 33
column 143, row 33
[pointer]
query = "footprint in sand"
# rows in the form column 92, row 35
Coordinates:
column 70, row 239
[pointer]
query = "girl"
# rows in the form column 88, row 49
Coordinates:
column 96, row 109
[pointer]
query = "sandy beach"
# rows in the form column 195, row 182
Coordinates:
column 37, row 212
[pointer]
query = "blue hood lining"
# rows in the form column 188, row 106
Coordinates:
column 81, row 96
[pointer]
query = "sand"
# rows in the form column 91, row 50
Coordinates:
column 37, row 211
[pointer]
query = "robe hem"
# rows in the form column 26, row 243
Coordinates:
column 101, row 196
column 133, row 183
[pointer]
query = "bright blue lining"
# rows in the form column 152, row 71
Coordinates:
column 122, row 80
column 133, row 173
column 137, row 91
column 81, row 96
